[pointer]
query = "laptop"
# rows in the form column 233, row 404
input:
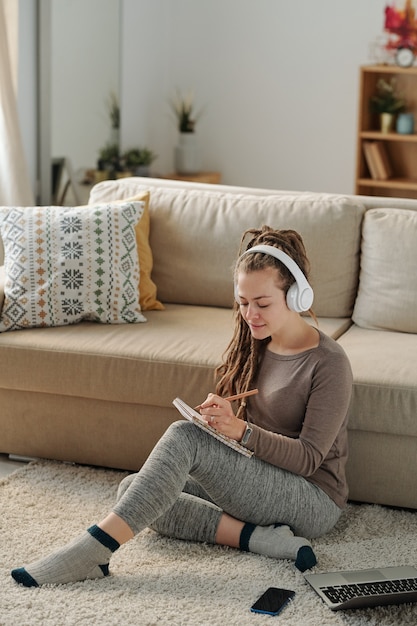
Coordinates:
column 366, row 588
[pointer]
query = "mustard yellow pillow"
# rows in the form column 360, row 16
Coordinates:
column 147, row 288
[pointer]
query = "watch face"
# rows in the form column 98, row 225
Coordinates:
column 404, row 57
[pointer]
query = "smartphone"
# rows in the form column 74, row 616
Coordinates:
column 272, row 601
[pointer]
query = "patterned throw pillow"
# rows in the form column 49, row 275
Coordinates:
column 67, row 264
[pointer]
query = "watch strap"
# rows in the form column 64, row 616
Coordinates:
column 246, row 434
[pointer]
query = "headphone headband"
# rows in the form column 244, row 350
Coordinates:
column 300, row 295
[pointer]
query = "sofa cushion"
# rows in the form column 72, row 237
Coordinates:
column 387, row 295
column 67, row 264
column 385, row 380
column 195, row 235
column 174, row 353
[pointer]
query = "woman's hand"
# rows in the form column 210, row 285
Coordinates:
column 218, row 413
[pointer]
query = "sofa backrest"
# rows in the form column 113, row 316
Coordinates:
column 196, row 231
column 387, row 295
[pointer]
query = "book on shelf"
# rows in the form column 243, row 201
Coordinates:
column 369, row 158
column 382, row 160
column 377, row 160
column 192, row 416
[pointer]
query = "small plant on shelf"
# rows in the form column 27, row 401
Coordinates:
column 111, row 163
column 108, row 157
column 137, row 157
column 387, row 98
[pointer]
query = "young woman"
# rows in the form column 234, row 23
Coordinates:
column 192, row 486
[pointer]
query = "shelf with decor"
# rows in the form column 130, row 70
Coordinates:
column 400, row 149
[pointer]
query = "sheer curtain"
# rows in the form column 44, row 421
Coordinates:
column 15, row 188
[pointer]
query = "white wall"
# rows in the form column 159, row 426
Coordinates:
column 278, row 80
column 84, row 71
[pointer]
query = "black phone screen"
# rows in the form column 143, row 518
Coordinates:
column 272, row 601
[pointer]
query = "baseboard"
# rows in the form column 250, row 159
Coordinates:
column 21, row 459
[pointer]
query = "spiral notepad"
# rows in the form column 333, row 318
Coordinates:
column 192, row 416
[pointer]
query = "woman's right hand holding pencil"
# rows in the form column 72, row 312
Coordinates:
column 218, row 413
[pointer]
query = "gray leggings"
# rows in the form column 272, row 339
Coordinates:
column 190, row 479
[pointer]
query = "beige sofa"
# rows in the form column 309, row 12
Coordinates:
column 102, row 394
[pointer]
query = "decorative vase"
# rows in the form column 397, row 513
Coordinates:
column 387, row 122
column 405, row 123
column 187, row 157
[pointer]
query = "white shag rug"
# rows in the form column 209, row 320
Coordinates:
column 158, row 581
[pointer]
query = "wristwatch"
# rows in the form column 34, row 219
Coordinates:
column 246, row 434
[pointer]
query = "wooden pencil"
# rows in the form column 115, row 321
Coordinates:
column 242, row 395
column 238, row 396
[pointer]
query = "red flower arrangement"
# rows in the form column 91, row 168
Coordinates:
column 402, row 24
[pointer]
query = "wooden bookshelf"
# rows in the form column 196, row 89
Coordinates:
column 400, row 149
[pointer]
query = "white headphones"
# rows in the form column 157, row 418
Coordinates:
column 300, row 295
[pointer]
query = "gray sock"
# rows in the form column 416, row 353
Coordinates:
column 279, row 542
column 85, row 557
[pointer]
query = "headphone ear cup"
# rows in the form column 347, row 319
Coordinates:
column 292, row 298
column 299, row 300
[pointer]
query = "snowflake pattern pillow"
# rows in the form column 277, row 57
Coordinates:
column 66, row 264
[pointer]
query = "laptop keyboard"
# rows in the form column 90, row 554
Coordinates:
column 387, row 591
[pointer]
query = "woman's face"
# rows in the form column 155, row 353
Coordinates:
column 262, row 302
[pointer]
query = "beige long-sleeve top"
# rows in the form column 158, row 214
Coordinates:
column 299, row 417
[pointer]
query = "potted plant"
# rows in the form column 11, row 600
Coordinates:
column 186, row 152
column 108, row 161
column 387, row 102
column 183, row 108
column 138, row 160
